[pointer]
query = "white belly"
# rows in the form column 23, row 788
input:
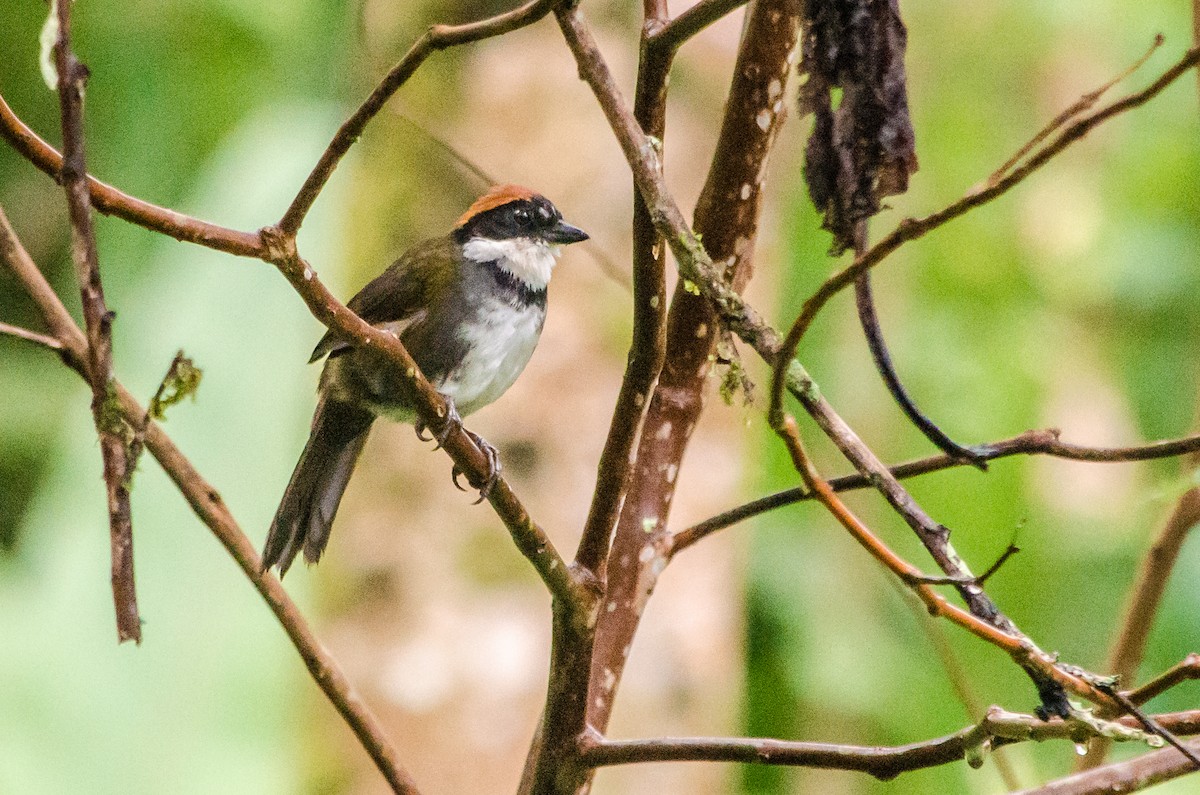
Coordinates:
column 499, row 347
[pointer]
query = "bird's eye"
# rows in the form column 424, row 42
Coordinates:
column 523, row 217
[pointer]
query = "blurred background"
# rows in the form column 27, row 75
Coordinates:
column 1068, row 303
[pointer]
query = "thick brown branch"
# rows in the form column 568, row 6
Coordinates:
column 648, row 346
column 72, row 79
column 727, row 215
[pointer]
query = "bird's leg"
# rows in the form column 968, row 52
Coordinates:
column 493, row 467
column 451, row 422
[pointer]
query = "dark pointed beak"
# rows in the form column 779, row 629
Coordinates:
column 564, row 233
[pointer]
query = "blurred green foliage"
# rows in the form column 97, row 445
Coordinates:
column 1069, row 302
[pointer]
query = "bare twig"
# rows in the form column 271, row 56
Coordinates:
column 1040, row 442
column 1081, row 105
column 212, row 511
column 72, row 77
column 1128, row 776
column 998, row 728
column 1146, row 596
column 672, row 35
column 868, row 317
column 1151, row 725
column 30, row 336
column 1196, row 33
column 111, row 201
column 1188, row 669
column 438, row 37
column 984, row 620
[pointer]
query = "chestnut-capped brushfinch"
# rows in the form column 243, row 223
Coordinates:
column 469, row 307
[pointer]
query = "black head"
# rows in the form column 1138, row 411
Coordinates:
column 509, row 211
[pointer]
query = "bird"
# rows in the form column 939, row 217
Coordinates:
column 469, row 307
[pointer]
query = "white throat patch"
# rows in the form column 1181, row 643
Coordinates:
column 529, row 260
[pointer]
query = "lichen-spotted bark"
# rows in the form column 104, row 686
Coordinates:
column 727, row 216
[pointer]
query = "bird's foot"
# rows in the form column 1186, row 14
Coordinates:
column 493, row 468
column 449, row 425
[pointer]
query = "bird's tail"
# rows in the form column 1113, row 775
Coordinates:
column 305, row 514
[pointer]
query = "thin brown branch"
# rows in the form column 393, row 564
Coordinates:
column 998, row 728
column 438, row 37
column 672, row 35
column 111, row 201
column 30, row 336
column 1151, row 725
column 1196, row 35
column 212, row 511
column 1146, row 596
column 1186, row 670
column 984, row 619
column 1129, row 776
column 1081, row 105
column 642, row 156
column 72, row 79
column 1039, row 442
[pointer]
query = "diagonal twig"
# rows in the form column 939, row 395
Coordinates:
column 673, row 34
column 1081, row 105
column 1042, row 442
column 30, row 336
column 436, row 38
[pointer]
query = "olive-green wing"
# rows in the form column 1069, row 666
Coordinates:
column 399, row 293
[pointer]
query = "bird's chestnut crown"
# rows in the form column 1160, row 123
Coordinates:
column 510, row 211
